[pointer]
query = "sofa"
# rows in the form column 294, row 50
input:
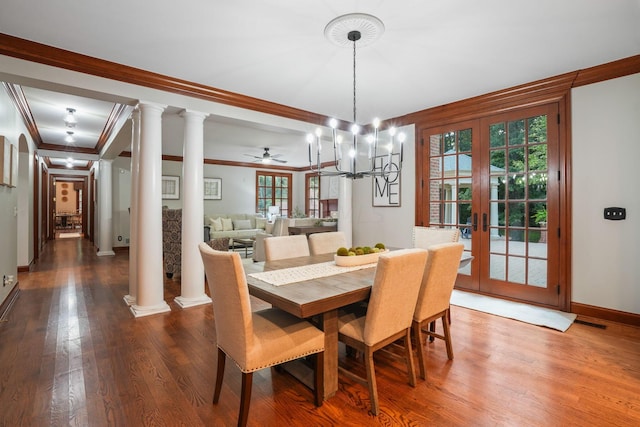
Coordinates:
column 239, row 226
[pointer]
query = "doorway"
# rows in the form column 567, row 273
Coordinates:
column 496, row 179
column 68, row 206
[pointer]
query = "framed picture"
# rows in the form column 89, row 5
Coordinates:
column 171, row 187
column 386, row 189
column 213, row 188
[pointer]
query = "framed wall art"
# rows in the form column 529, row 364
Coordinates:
column 386, row 189
column 171, row 187
column 213, row 188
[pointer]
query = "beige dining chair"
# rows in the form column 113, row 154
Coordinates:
column 283, row 247
column 326, row 243
column 254, row 340
column 395, row 287
column 438, row 280
column 423, row 237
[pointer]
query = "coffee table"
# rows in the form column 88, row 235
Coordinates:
column 243, row 243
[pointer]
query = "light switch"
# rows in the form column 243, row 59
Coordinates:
column 614, row 213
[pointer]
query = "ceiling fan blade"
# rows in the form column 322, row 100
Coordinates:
column 278, row 160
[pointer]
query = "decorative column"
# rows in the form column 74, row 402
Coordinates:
column 192, row 285
column 105, row 201
column 130, row 299
column 150, row 289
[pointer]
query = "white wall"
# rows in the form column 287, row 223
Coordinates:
column 10, row 129
column 389, row 225
column 606, row 172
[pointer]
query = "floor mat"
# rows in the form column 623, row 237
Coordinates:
column 514, row 310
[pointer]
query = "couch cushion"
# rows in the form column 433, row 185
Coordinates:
column 227, row 224
column 216, row 224
column 241, row 224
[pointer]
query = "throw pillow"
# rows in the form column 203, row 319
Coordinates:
column 216, row 224
column 261, row 223
column 242, row 224
column 227, row 224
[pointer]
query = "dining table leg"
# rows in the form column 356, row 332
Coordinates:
column 330, row 328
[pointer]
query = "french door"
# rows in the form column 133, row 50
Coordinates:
column 497, row 180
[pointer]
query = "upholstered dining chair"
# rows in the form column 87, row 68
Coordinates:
column 423, row 237
column 283, row 247
column 438, row 280
column 326, row 243
column 395, row 287
column 254, row 340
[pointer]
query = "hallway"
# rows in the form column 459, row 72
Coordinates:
column 72, row 354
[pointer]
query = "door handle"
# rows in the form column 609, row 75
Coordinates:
column 484, row 222
column 475, row 222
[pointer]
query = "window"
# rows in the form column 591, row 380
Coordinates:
column 312, row 195
column 273, row 189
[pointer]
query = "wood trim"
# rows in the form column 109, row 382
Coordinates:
column 56, row 57
column 20, row 101
column 610, row 70
column 605, row 314
column 116, row 114
column 11, row 298
column 25, row 268
column 37, row 208
column 528, row 95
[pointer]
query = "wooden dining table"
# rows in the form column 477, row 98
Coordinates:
column 321, row 297
column 317, row 297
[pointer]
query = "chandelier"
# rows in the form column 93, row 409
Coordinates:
column 343, row 31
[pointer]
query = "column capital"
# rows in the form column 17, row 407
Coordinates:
column 192, row 113
column 151, row 106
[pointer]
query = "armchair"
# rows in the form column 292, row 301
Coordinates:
column 280, row 228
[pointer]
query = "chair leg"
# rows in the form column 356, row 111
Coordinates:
column 409, row 358
column 219, row 375
column 319, row 379
column 447, row 335
column 417, row 331
column 432, row 328
column 371, row 380
column 245, row 398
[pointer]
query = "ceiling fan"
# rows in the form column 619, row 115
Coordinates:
column 267, row 157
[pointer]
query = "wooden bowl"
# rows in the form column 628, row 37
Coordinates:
column 350, row 261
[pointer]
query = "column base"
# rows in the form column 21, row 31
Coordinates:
column 106, row 253
column 192, row 302
column 129, row 300
column 139, row 311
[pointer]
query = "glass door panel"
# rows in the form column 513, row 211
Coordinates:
column 503, row 202
column 515, row 149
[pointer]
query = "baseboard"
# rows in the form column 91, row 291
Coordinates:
column 24, row 268
column 6, row 305
column 606, row 314
column 120, row 249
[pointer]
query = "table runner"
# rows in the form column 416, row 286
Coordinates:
column 290, row 275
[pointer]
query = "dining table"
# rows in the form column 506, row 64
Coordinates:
column 319, row 297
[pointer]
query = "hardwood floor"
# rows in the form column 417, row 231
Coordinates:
column 72, row 354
